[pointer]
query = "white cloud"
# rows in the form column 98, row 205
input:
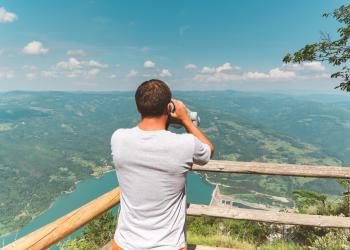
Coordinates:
column 207, row 70
column 217, row 74
column 6, row 16
column 190, row 66
column 149, row 64
column 223, row 68
column 30, row 76
column 132, row 73
column 220, row 69
column 256, row 75
column 6, row 74
column 93, row 63
column 165, row 73
column 216, row 77
column 226, row 72
column 277, row 73
column 71, row 64
column 92, row 73
column 76, row 52
column 35, row 48
column 314, row 66
column 73, row 68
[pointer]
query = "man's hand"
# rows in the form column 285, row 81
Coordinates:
column 180, row 113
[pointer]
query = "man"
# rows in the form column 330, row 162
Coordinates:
column 151, row 164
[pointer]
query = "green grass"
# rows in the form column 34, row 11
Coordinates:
column 218, row 240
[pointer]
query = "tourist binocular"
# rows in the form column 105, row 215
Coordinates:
column 177, row 124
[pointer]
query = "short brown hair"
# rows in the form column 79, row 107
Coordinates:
column 152, row 98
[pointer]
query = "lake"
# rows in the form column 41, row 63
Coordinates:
column 198, row 191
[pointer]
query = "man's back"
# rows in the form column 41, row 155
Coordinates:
column 151, row 167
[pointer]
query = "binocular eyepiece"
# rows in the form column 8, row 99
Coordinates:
column 177, row 124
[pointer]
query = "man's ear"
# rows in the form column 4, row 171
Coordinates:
column 170, row 108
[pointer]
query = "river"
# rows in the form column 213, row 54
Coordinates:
column 199, row 191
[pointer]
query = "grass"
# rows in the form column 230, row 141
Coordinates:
column 218, row 240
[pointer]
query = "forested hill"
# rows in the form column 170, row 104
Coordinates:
column 50, row 140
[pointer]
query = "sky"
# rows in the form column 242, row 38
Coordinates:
column 108, row 45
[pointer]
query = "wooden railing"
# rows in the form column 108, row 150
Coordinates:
column 64, row 226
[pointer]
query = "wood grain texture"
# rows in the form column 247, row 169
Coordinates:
column 50, row 234
column 275, row 169
column 269, row 216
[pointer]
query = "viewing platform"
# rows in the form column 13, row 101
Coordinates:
column 52, row 233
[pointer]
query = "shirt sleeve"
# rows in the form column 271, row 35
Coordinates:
column 201, row 155
column 114, row 141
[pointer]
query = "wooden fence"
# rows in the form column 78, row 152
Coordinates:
column 64, row 226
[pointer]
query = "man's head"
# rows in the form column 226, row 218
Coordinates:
column 152, row 98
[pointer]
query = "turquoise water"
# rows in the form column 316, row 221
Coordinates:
column 199, row 191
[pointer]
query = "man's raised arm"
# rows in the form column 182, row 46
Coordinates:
column 182, row 115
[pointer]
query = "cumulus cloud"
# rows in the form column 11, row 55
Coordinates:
column 35, row 48
column 132, row 73
column 74, row 63
column 313, row 66
column 6, row 73
column 149, row 64
column 190, row 66
column 93, row 63
column 207, row 70
column 165, row 73
column 277, row 73
column 6, row 16
column 71, row 64
column 76, row 52
column 220, row 69
column 256, row 75
column 226, row 72
column 74, row 68
column 216, row 77
column 223, row 68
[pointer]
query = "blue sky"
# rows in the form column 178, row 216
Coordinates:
column 192, row 45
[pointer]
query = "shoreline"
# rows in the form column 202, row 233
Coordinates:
column 64, row 192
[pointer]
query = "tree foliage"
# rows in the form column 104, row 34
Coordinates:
column 334, row 51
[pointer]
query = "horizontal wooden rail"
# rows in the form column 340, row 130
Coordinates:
column 64, row 226
column 269, row 216
column 275, row 169
column 50, row 234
